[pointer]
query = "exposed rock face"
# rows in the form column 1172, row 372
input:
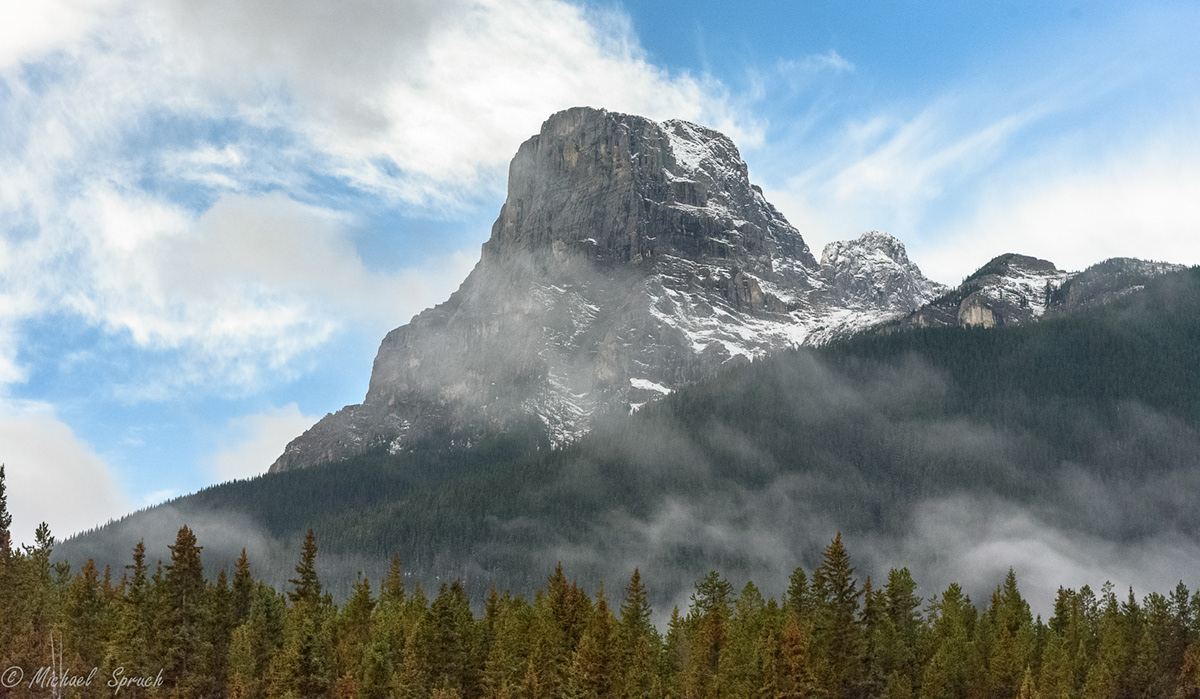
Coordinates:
column 1013, row 289
column 630, row 257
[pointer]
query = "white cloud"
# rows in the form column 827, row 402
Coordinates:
column 1139, row 204
column 28, row 29
column 260, row 439
column 442, row 91
column 52, row 475
column 426, row 101
column 247, row 287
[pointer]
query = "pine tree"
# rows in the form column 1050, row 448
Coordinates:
column 307, row 587
column 592, row 670
column 837, row 635
column 674, row 659
column 1055, row 679
column 256, row 642
column 5, row 524
column 220, row 600
column 86, row 635
column 243, row 590
column 952, row 619
column 1011, row 643
column 798, row 593
column 637, row 642
column 1028, row 688
column 450, row 642
column 303, row 666
column 353, row 637
column 186, row 663
column 903, row 608
column 411, row 677
column 392, row 589
column 708, row 632
column 740, row 670
column 795, row 672
column 130, row 647
column 8, row 582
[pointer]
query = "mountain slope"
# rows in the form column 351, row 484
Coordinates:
column 1078, row 436
column 630, row 258
column 1012, row 289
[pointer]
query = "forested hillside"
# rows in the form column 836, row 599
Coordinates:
column 918, row 442
column 166, row 631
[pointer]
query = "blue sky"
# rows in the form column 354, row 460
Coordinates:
column 211, row 212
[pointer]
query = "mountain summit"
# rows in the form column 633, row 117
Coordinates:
column 630, row 257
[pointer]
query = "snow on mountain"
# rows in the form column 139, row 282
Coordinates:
column 630, row 257
column 1013, row 289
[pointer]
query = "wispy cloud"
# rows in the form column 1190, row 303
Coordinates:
column 1137, row 204
column 830, row 61
column 259, row 439
column 160, row 154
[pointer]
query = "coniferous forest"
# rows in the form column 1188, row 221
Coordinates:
column 1087, row 424
column 1059, row 417
column 163, row 629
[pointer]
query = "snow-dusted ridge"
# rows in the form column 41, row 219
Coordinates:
column 631, row 257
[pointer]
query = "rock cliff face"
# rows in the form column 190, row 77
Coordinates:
column 629, row 258
column 1013, row 289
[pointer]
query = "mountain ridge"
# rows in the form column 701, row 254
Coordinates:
column 629, row 258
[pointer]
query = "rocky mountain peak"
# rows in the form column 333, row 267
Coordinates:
column 620, row 188
column 1012, row 289
column 630, row 257
column 874, row 269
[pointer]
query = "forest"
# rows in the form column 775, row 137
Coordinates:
column 165, row 630
column 1088, row 424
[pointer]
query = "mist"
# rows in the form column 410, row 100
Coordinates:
column 957, row 454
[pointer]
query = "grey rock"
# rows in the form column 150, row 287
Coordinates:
column 630, row 257
column 1013, row 289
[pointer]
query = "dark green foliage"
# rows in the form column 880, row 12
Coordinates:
column 5, row 522
column 874, row 425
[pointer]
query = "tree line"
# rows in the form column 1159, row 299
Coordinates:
column 168, row 631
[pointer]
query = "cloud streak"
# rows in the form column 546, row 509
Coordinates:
column 138, row 194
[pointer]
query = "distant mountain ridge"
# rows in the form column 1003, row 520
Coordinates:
column 631, row 257
column 1013, row 289
column 1075, row 438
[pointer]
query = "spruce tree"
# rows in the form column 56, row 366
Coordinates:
column 592, row 671
column 307, row 587
column 185, row 623
column 5, row 524
column 637, row 642
column 135, row 617
column 353, row 637
column 392, row 589
column 304, row 665
column 795, row 673
column 8, row 577
column 242, row 593
column 798, row 593
column 220, row 601
column 837, row 634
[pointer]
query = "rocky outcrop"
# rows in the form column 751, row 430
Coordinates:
column 630, row 257
column 1013, row 289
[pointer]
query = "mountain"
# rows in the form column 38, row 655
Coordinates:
column 1012, row 289
column 587, row 396
column 1067, row 444
column 630, row 258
